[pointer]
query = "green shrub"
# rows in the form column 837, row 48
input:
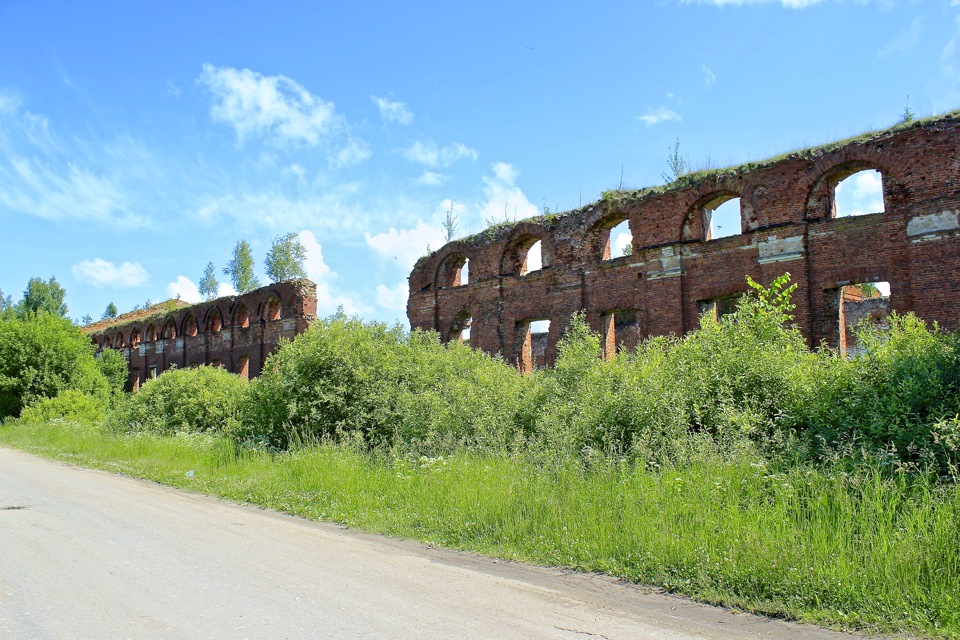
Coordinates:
column 68, row 406
column 201, row 400
column 378, row 384
column 42, row 355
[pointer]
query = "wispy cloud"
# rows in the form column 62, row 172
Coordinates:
column 275, row 108
column 431, row 178
column 709, row 77
column 393, row 111
column 503, row 199
column 430, row 155
column 659, row 115
column 102, row 273
column 405, row 246
column 393, row 298
column 791, row 4
column 904, row 41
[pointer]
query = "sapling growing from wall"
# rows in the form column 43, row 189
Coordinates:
column 240, row 268
column 286, row 258
column 208, row 283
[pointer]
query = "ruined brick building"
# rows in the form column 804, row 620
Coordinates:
column 235, row 332
column 675, row 270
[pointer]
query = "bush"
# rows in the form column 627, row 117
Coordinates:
column 68, row 406
column 42, row 355
column 382, row 386
column 201, row 400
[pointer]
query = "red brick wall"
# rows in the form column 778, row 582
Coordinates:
column 788, row 224
column 190, row 336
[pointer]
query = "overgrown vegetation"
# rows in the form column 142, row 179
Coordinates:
column 733, row 464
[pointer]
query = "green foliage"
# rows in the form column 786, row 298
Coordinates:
column 450, row 226
column 200, row 400
column 240, row 269
column 382, row 386
column 109, row 312
column 676, row 164
column 68, row 406
column 113, row 366
column 42, row 355
column 286, row 258
column 86, row 319
column 43, row 297
column 209, row 285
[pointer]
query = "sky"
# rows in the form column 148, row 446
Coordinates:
column 140, row 141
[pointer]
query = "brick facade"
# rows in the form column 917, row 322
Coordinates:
column 237, row 333
column 675, row 271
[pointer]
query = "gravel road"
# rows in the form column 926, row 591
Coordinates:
column 89, row 554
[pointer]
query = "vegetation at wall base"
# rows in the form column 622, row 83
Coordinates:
column 733, row 465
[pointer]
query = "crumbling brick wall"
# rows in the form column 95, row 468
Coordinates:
column 235, row 332
column 675, row 271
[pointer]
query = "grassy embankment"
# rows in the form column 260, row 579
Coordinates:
column 859, row 550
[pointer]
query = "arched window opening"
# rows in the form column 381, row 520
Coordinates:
column 859, row 194
column 169, row 330
column 134, row 338
column 532, row 339
column 534, row 259
column 465, row 272
column 460, row 329
column 215, row 322
column 862, row 304
column 618, row 242
column 241, row 317
column 150, row 335
column 106, row 343
column 452, row 271
column 118, row 341
column 272, row 309
column 190, row 326
column 722, row 218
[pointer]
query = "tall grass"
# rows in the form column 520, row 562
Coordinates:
column 866, row 549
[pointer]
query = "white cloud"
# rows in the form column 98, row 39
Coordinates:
column 101, row 273
column 352, row 153
column 315, row 266
column 405, row 246
column 276, row 108
column 503, row 199
column 393, row 111
column 431, row 178
column 860, row 194
column 790, row 4
column 904, row 41
column 393, row 298
column 331, row 208
column 661, row 114
column 225, row 289
column 430, row 155
column 9, row 101
column 184, row 288
column 709, row 77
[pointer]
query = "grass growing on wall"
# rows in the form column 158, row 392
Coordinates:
column 862, row 549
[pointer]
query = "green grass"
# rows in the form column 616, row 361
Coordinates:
column 855, row 550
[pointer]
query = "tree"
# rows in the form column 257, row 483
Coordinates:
column 676, row 163
column 43, row 297
column 86, row 319
column 285, row 258
column 240, row 269
column 109, row 312
column 450, row 226
column 208, row 283
column 42, row 354
column 907, row 115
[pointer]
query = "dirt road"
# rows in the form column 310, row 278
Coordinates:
column 88, row 554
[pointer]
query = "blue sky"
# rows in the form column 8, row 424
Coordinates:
column 139, row 142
